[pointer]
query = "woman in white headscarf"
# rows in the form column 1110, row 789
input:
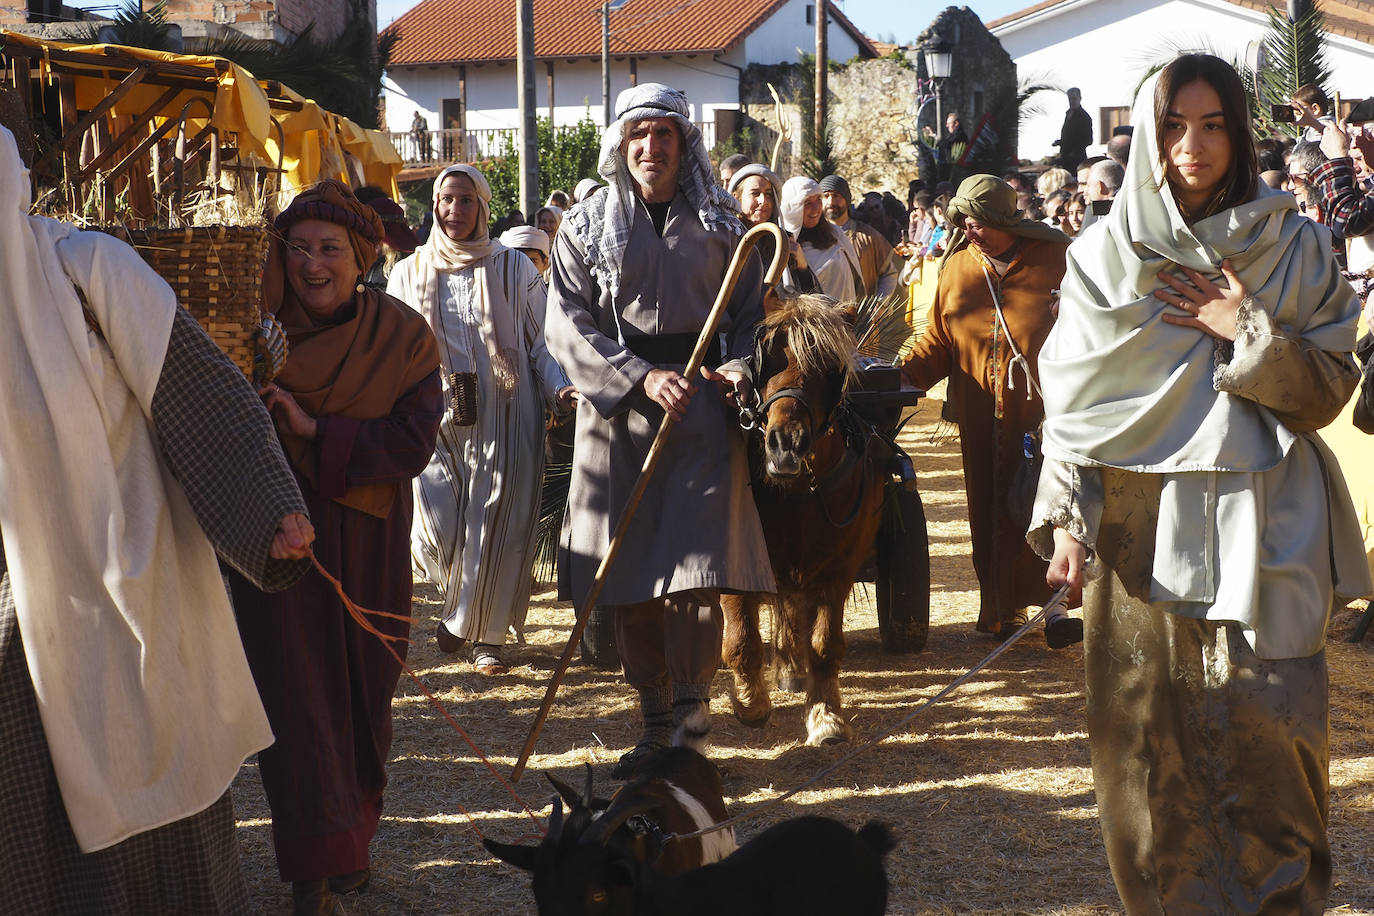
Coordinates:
column 533, row 242
column 825, row 247
column 1204, row 334
column 758, row 190
column 477, row 504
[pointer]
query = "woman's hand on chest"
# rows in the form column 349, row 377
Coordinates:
column 1206, row 306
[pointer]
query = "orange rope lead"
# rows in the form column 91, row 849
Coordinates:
column 360, row 615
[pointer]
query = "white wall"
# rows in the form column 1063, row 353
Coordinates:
column 777, row 41
column 492, row 88
column 710, row 82
column 1105, row 46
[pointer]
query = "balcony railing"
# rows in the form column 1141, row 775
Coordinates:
column 441, row 147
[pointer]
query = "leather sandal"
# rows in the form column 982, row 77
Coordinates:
column 486, row 659
column 447, row 641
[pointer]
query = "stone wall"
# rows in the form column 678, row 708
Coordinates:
column 872, row 125
column 267, row 18
column 873, row 107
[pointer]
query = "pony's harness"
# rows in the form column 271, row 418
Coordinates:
column 855, row 431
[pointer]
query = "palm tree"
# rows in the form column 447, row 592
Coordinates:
column 135, row 27
column 343, row 74
column 1293, row 56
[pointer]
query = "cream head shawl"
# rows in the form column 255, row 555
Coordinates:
column 495, row 315
column 145, row 696
column 601, row 222
column 1124, row 389
column 1164, row 414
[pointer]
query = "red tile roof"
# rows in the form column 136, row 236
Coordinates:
column 452, row 31
column 1350, row 18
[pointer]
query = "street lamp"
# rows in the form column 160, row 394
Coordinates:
column 939, row 61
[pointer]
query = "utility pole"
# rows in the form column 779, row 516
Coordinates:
column 529, row 137
column 606, row 61
column 822, row 70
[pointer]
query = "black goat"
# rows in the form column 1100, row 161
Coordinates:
column 677, row 791
column 806, row 866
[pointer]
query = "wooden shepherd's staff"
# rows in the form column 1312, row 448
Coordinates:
column 693, row 370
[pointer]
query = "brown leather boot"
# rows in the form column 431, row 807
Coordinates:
column 314, row 898
column 355, row 882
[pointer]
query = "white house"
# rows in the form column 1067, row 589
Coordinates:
column 453, row 61
column 1104, row 47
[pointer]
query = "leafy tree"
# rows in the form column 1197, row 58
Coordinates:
column 566, row 156
column 1293, row 55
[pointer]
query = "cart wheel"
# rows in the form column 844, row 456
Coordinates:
column 903, row 580
column 599, row 647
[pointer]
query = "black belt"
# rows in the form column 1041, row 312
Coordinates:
column 671, row 349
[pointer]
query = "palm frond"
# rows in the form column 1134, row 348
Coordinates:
column 880, row 327
column 343, row 74
column 1029, row 87
column 944, row 432
column 134, row 27
column 553, row 499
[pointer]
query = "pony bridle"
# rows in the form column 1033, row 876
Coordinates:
column 751, row 418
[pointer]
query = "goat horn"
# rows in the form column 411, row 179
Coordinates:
column 587, row 798
column 568, row 793
column 555, row 819
column 607, row 824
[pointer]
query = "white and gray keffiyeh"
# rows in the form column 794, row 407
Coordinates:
column 602, row 222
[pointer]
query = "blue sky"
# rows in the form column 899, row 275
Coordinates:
column 881, row 19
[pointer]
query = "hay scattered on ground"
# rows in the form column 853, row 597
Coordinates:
column 989, row 793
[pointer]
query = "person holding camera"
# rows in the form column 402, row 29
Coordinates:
column 1308, row 108
column 1346, row 202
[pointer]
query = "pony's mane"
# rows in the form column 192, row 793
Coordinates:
column 816, row 333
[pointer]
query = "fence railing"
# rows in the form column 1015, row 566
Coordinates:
column 433, row 147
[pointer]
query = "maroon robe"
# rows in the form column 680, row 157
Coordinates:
column 326, row 683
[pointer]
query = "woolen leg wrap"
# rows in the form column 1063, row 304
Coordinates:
column 656, row 706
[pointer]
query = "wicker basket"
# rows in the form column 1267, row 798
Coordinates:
column 216, row 272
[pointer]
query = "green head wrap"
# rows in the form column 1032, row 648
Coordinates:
column 992, row 202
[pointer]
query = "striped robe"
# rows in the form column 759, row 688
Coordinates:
column 477, row 503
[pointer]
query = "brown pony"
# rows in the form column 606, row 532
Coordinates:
column 818, row 479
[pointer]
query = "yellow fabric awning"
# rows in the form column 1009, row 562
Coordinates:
column 315, row 140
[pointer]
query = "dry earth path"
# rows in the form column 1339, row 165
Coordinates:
column 989, row 793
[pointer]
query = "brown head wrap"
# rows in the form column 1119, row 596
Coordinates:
column 360, row 363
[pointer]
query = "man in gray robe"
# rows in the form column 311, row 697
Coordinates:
column 635, row 272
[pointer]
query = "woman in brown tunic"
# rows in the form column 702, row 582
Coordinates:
column 1204, row 334
column 357, row 407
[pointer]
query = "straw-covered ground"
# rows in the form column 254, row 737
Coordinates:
column 989, row 792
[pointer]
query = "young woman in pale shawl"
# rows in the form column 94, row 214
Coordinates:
column 1204, row 334
column 825, row 246
column 477, row 504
